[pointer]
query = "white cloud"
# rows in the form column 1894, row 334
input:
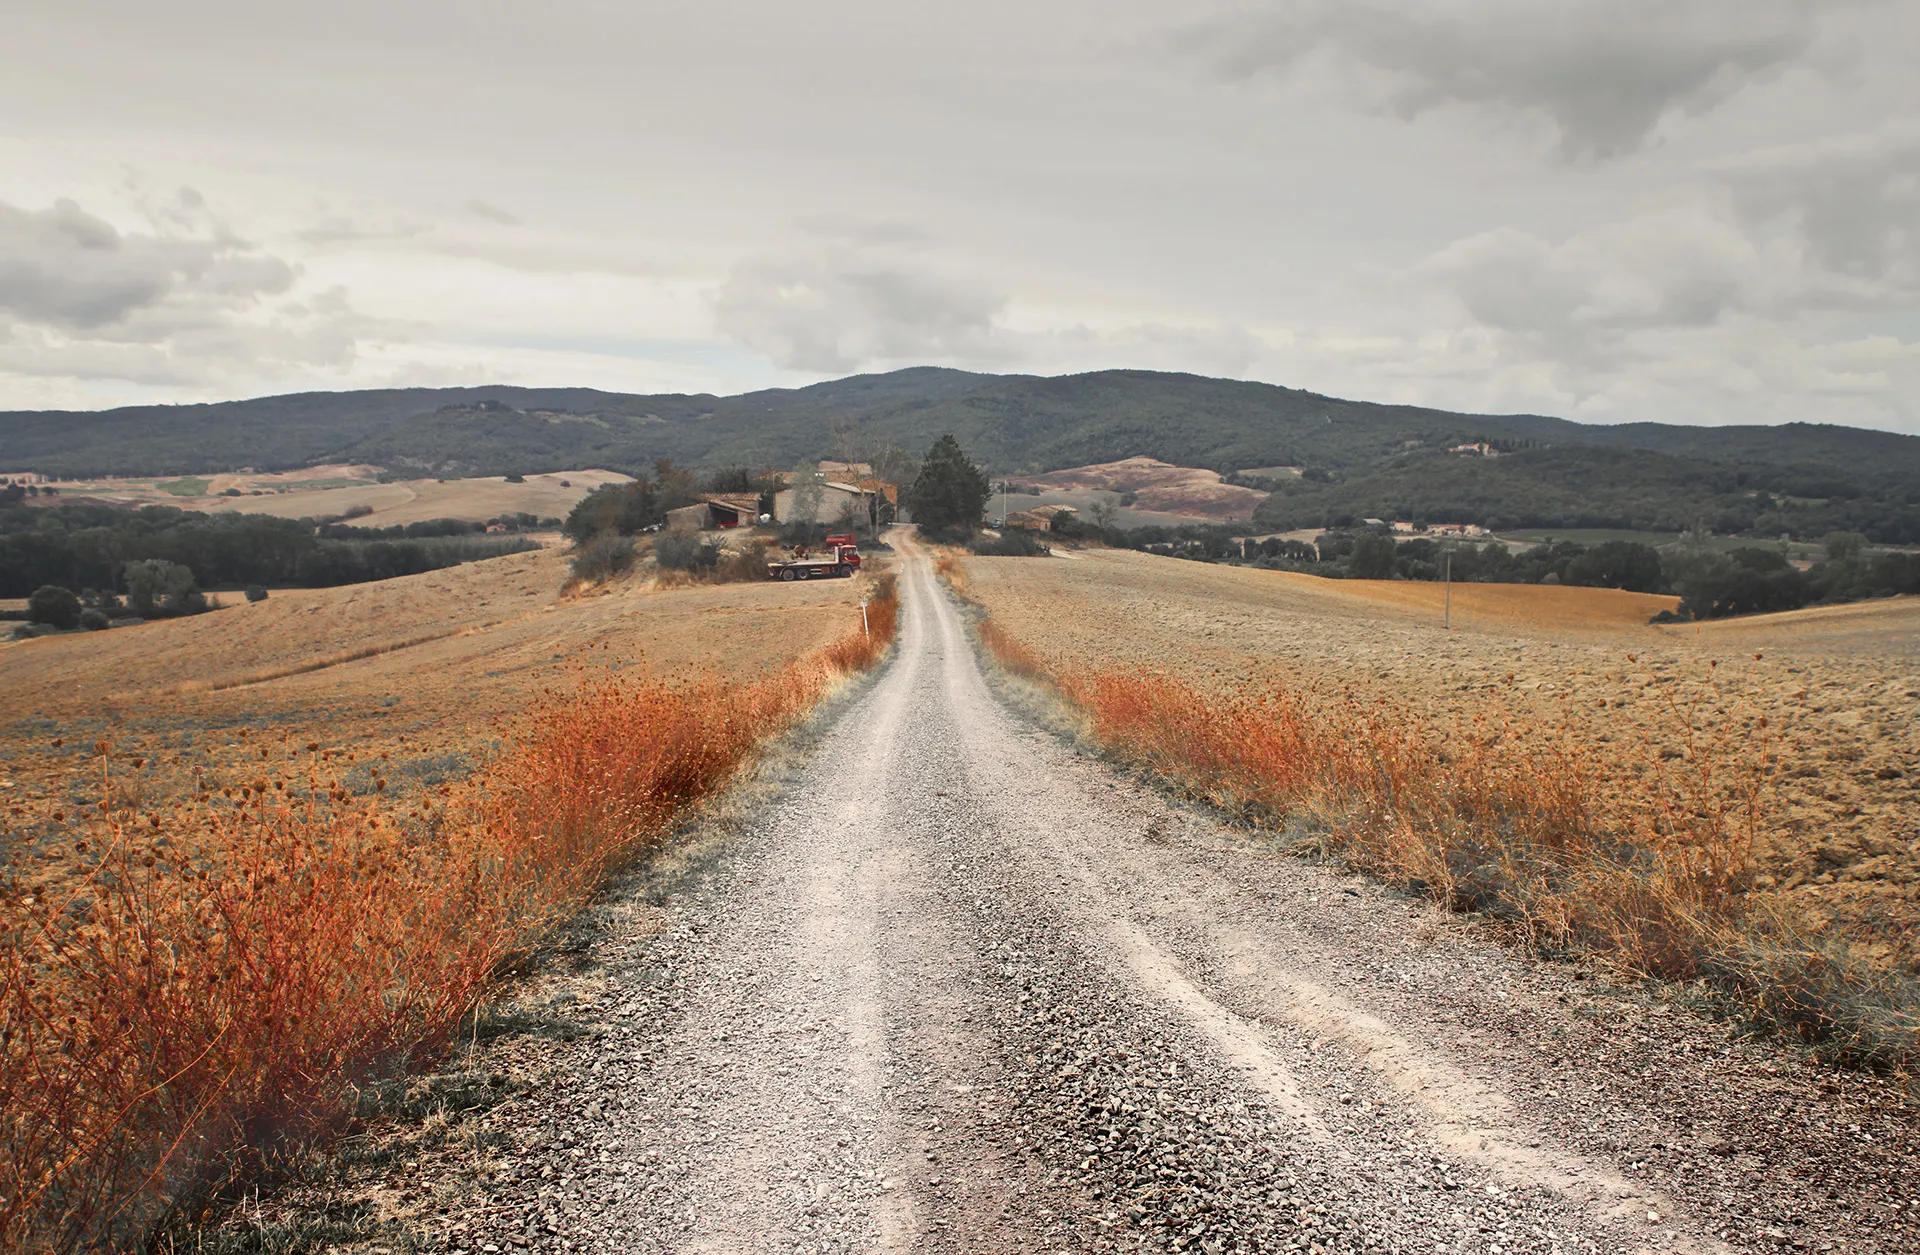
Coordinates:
column 1602, row 73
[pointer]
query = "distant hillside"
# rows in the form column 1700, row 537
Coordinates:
column 1364, row 459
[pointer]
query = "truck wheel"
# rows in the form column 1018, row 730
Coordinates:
column 843, row 570
column 802, row 573
column 789, row 575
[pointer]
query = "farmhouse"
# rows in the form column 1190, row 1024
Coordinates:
column 721, row 510
column 840, row 501
column 1041, row 518
column 1403, row 528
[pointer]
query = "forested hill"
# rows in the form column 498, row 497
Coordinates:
column 1364, row 458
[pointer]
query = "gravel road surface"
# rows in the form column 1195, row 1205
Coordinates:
column 964, row 988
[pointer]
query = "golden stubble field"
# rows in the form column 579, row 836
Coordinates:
column 1839, row 687
column 416, row 678
column 330, row 491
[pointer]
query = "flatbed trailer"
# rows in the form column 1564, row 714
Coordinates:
column 838, row 562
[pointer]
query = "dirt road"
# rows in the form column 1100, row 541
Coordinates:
column 963, row 988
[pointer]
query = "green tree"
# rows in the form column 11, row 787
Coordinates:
column 614, row 510
column 54, row 606
column 950, row 493
column 1373, row 557
column 1842, row 545
column 158, row 588
column 1618, row 564
column 894, row 464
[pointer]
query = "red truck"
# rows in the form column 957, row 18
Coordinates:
column 840, row 559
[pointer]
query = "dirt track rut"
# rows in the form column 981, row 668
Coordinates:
column 962, row 988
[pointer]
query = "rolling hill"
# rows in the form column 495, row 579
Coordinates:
column 1365, row 459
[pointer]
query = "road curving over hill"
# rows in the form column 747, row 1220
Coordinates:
column 963, row 988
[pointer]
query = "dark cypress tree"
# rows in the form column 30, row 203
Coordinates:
column 951, row 492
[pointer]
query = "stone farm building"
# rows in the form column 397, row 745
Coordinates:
column 857, row 501
column 720, row 510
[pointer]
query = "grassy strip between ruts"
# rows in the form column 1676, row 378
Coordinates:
column 182, row 1020
column 1641, row 860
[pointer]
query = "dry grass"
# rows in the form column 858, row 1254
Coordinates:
column 418, row 667
column 1644, row 857
column 1838, row 691
column 209, row 988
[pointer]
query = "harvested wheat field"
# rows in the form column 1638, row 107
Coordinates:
column 1831, row 692
column 417, row 672
column 331, row 491
column 255, row 859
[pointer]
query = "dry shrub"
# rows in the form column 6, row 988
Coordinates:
column 179, row 1021
column 1010, row 653
column 948, row 567
column 1644, row 860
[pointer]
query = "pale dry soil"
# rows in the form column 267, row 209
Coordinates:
column 1838, row 686
column 958, row 987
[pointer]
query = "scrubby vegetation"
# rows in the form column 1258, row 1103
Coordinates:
column 603, row 557
column 226, row 977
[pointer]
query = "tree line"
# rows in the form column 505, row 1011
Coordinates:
column 1711, row 579
column 90, row 546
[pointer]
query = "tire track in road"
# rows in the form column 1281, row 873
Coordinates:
column 958, row 991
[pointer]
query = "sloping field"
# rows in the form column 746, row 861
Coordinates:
column 417, row 671
column 1867, row 629
column 1838, row 688
column 331, row 491
column 1184, row 491
column 417, row 500
column 1498, row 607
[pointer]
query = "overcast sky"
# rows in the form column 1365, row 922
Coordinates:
column 1677, row 210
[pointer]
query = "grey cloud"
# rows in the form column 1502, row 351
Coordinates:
column 1726, row 299
column 185, row 304
column 337, row 229
column 840, row 308
column 1852, row 205
column 1603, row 73
column 68, row 269
column 1678, row 267
column 1220, row 349
column 493, row 213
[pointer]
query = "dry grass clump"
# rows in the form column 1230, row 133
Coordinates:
column 1645, row 859
column 213, row 988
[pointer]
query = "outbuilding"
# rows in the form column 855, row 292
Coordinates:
column 717, row 512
